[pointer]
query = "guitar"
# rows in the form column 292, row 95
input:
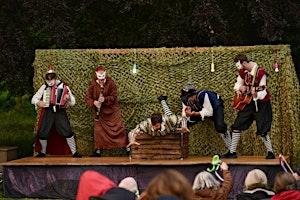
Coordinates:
column 241, row 100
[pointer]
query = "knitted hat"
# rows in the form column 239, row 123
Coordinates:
column 255, row 176
column 129, row 183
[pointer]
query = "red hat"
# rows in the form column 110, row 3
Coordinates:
column 50, row 71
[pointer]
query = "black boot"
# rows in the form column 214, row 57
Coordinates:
column 95, row 154
column 40, row 155
column 77, row 155
column 270, row 155
column 161, row 97
column 229, row 155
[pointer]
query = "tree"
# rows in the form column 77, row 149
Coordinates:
column 26, row 25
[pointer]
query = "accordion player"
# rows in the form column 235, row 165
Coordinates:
column 56, row 96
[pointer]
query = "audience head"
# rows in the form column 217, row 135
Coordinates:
column 255, row 176
column 130, row 184
column 205, row 180
column 171, row 183
column 284, row 181
column 92, row 183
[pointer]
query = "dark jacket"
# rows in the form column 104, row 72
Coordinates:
column 116, row 193
column 256, row 194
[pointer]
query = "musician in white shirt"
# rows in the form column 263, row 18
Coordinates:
column 252, row 82
column 53, row 116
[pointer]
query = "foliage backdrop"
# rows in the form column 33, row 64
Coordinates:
column 164, row 71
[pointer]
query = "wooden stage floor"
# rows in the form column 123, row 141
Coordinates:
column 68, row 160
column 58, row 176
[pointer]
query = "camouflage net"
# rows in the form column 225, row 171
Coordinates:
column 163, row 71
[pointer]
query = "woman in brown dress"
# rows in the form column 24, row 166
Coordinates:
column 109, row 129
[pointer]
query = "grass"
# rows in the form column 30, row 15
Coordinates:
column 17, row 129
column 2, row 198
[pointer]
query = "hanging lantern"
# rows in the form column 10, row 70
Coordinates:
column 134, row 65
column 276, row 63
column 134, row 68
column 276, row 67
column 212, row 65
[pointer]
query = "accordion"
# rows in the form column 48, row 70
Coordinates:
column 55, row 96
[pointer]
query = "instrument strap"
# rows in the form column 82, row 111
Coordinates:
column 253, row 82
column 255, row 75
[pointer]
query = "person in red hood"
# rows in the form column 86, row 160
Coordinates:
column 93, row 183
column 285, row 187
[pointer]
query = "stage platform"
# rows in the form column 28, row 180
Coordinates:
column 58, row 176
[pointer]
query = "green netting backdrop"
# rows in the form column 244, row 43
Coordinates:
column 163, row 71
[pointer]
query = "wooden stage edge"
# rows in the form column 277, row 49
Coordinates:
column 192, row 160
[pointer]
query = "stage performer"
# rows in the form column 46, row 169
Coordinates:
column 159, row 124
column 109, row 129
column 200, row 104
column 251, row 84
column 54, row 124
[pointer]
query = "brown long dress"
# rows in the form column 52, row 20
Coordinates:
column 109, row 131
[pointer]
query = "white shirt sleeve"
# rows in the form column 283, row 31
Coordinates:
column 132, row 134
column 38, row 95
column 183, row 110
column 207, row 110
column 72, row 98
column 238, row 84
column 263, row 93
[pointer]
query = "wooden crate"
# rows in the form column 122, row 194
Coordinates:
column 7, row 153
column 175, row 145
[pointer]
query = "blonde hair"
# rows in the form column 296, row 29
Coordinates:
column 204, row 180
column 255, row 176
